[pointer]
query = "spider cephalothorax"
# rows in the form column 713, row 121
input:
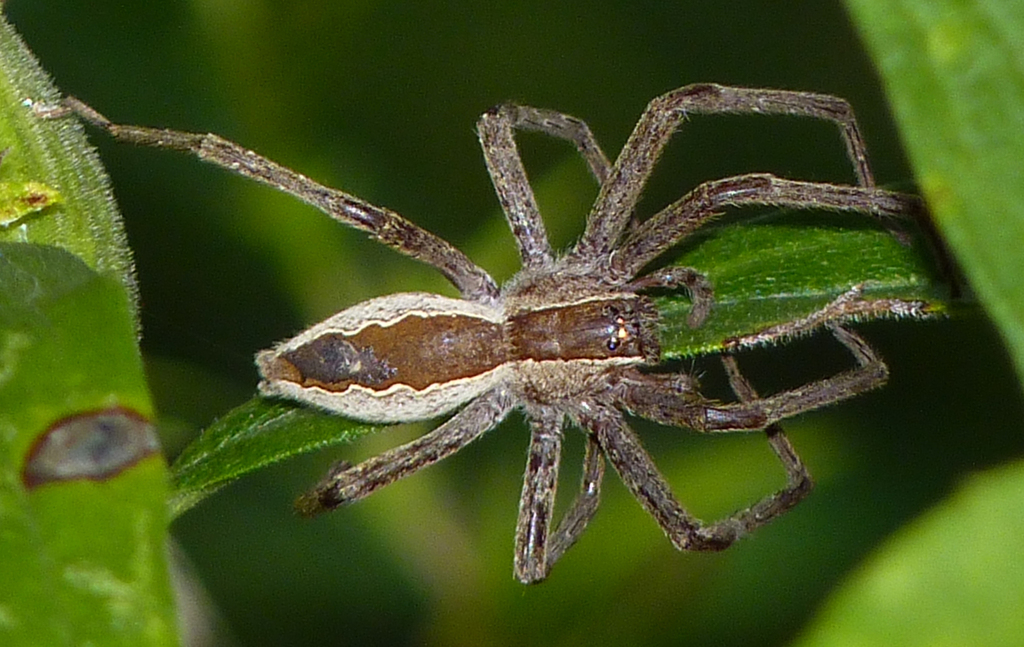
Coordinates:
column 568, row 339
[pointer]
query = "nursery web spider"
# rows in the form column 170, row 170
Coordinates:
column 571, row 336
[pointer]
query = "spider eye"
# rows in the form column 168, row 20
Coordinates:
column 619, row 333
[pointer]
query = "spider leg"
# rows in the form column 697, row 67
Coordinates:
column 345, row 483
column 870, row 373
column 664, row 399
column 614, row 206
column 583, row 507
column 537, row 549
column 701, row 292
column 686, row 532
column 495, row 129
column 540, row 483
column 798, row 481
column 846, row 307
column 555, row 124
column 382, row 224
column 661, row 231
column 641, row 477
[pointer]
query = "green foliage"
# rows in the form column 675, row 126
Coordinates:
column 254, row 435
column 379, row 99
column 53, row 190
column 82, row 560
column 954, row 76
column 84, row 491
column 766, row 272
column 952, row 577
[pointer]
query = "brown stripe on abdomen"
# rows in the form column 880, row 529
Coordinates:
column 416, row 351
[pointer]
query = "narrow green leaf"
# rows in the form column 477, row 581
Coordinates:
column 953, row 577
column 254, row 435
column 781, row 268
column 954, row 75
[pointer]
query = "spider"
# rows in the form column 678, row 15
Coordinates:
column 571, row 338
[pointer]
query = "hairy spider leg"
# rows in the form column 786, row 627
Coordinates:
column 656, row 397
column 676, row 221
column 798, row 480
column 642, row 478
column 619, row 195
column 382, row 224
column 640, row 475
column 583, row 507
column 537, row 503
column 495, row 130
column 848, row 306
column 350, row 483
column 536, row 548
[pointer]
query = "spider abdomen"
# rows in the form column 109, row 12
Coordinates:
column 396, row 358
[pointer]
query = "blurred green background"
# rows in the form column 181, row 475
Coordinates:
column 380, row 99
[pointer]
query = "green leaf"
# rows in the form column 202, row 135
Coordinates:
column 84, row 491
column 954, row 75
column 780, row 268
column 254, row 435
column 953, row 577
column 53, row 189
column 83, row 486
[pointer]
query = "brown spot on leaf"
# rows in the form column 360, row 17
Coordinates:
column 94, row 446
column 36, row 200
